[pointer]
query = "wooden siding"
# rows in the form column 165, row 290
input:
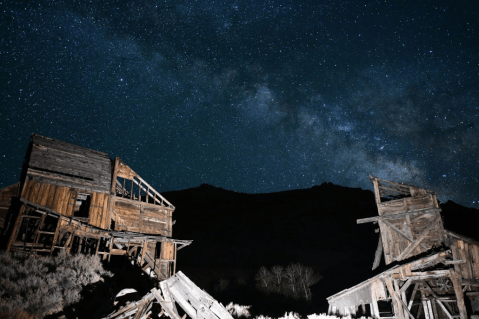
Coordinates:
column 6, row 195
column 62, row 200
column 140, row 217
column 63, row 164
column 57, row 198
column 469, row 252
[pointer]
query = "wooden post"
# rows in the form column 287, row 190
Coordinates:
column 111, row 247
column 114, row 177
column 399, row 301
column 377, row 255
column 426, row 309
column 434, row 308
column 98, row 246
column 35, row 237
column 374, row 307
column 55, row 237
column 456, row 282
column 143, row 251
column 394, row 299
column 16, row 227
column 413, row 295
column 174, row 263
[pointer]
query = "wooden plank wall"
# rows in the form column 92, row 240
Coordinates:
column 6, row 195
column 142, row 217
column 64, row 164
column 408, row 204
column 62, row 200
column 462, row 250
column 99, row 213
column 59, row 198
column 393, row 242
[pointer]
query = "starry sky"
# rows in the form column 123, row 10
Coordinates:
column 253, row 95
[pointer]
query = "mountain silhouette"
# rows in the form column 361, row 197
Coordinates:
column 236, row 233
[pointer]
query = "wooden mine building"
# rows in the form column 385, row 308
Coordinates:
column 433, row 274
column 79, row 200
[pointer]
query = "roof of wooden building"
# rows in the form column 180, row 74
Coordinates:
column 60, row 163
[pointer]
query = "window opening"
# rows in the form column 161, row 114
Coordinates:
column 82, row 205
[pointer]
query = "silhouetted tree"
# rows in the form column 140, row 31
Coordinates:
column 293, row 281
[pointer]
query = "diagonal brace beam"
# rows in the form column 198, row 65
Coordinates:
column 412, row 246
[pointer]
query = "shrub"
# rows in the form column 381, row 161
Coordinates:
column 293, row 281
column 44, row 285
column 238, row 311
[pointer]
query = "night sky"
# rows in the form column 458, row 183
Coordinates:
column 251, row 96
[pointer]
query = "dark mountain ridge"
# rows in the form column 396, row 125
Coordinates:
column 236, row 233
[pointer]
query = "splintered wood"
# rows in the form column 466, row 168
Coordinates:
column 196, row 303
column 435, row 270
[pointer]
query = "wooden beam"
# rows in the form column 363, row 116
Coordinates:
column 428, row 288
column 400, row 232
column 114, row 177
column 413, row 295
column 423, row 275
column 402, row 307
column 456, row 282
column 412, row 246
column 397, row 215
column 36, row 236
column 111, row 247
column 377, row 255
column 16, row 227
column 444, row 309
column 406, row 285
column 55, row 236
column 394, row 298
column 434, row 308
column 143, row 251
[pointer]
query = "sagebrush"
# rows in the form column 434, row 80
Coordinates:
column 44, row 285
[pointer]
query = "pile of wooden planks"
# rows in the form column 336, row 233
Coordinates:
column 178, row 289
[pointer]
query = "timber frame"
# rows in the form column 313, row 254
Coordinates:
column 434, row 272
column 78, row 200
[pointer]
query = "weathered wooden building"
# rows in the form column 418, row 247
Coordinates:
column 79, row 200
column 434, row 272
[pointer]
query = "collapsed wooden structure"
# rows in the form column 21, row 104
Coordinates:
column 178, row 289
column 78, row 200
column 434, row 272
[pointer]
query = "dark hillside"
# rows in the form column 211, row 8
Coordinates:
column 241, row 232
column 236, row 233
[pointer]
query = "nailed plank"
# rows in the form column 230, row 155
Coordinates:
column 400, row 232
column 63, row 180
column 397, row 215
column 412, row 246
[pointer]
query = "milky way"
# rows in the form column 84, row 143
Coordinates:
column 251, row 96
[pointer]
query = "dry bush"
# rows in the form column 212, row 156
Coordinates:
column 293, row 281
column 44, row 285
column 238, row 311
